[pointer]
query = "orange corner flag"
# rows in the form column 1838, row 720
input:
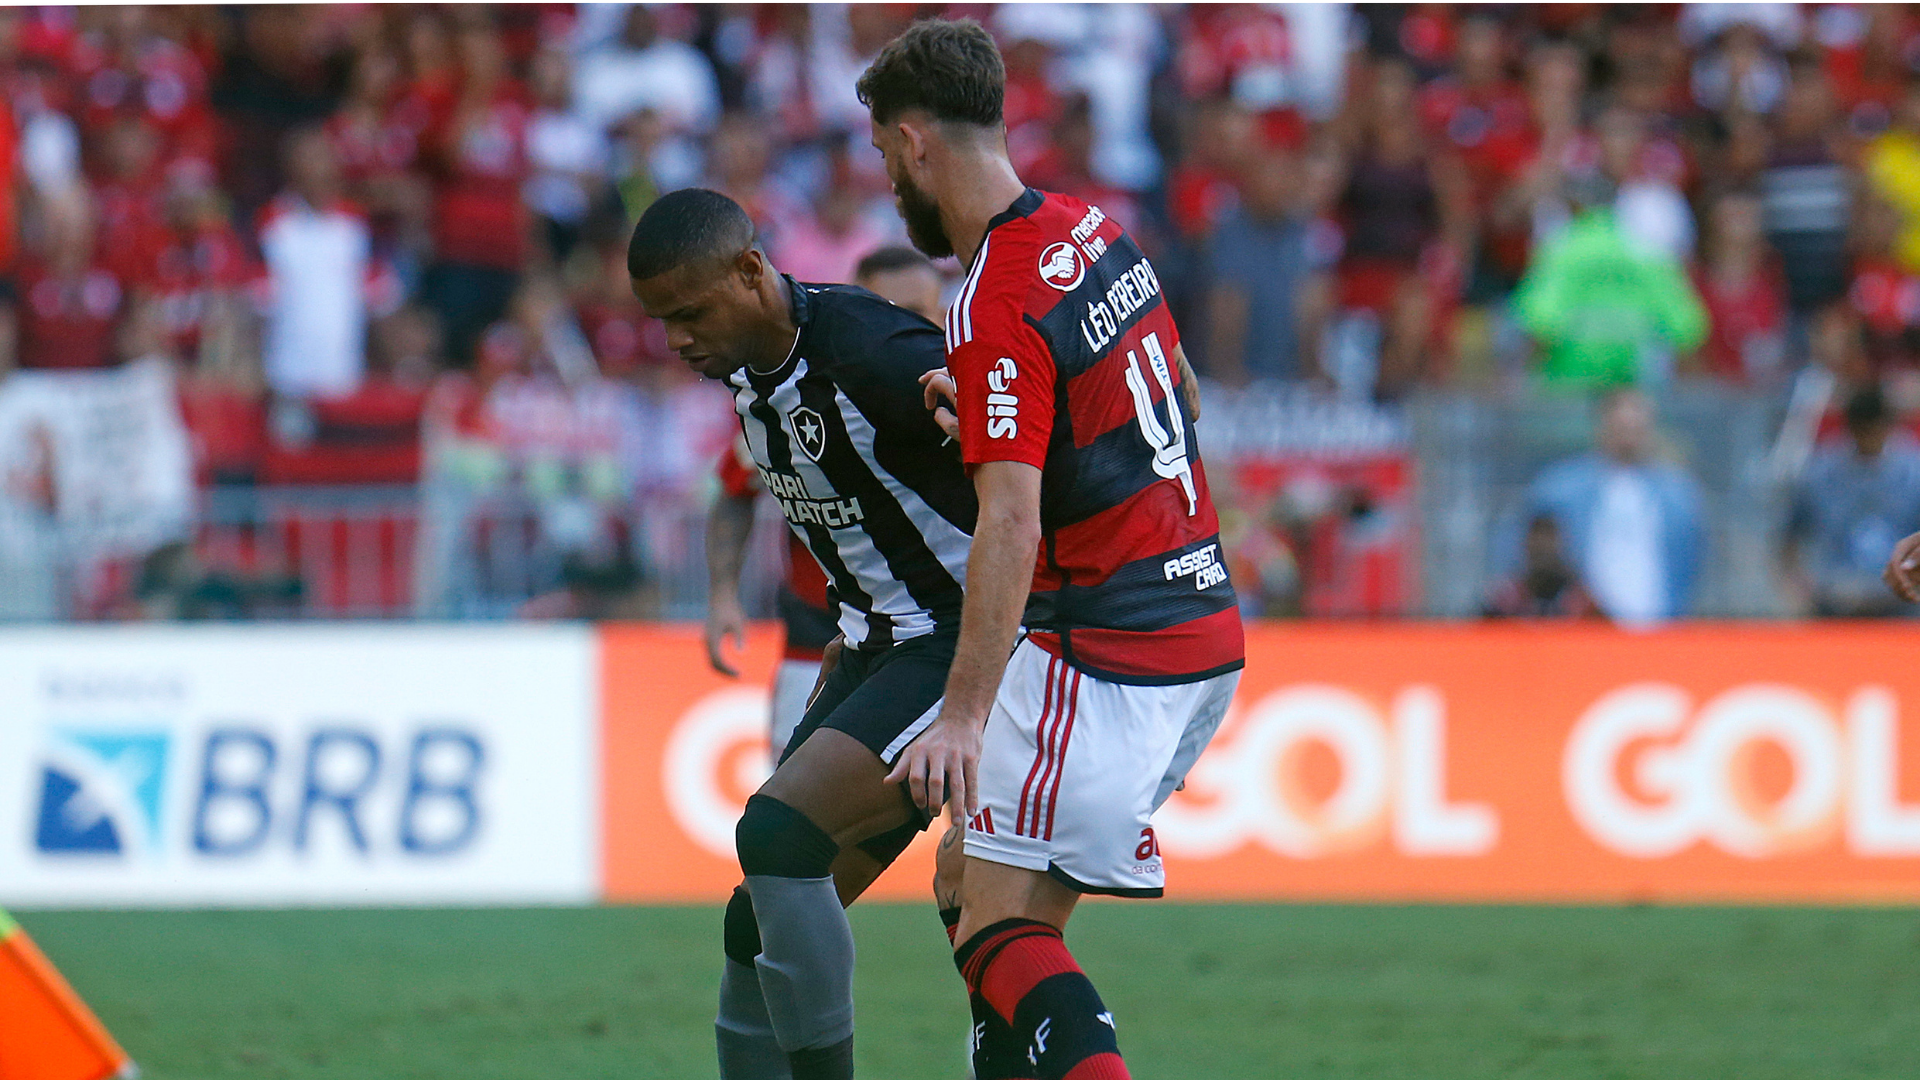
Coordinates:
column 46, row 1031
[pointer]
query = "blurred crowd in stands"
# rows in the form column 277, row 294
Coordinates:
column 374, row 241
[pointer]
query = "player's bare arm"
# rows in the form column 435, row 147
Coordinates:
column 1189, row 384
column 729, row 523
column 939, row 766
column 1903, row 569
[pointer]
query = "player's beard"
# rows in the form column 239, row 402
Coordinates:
column 922, row 216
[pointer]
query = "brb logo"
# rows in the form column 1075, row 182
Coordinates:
column 1315, row 770
column 100, row 791
column 106, row 791
column 1758, row 771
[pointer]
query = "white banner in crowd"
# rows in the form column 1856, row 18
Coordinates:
column 295, row 765
column 121, row 469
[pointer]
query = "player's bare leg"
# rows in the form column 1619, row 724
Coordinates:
column 949, row 867
column 992, row 892
column 797, row 844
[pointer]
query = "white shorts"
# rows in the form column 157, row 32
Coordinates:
column 1073, row 767
column 792, row 682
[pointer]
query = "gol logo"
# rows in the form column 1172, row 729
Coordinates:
column 716, row 758
column 1700, row 775
column 1704, row 779
column 1258, row 785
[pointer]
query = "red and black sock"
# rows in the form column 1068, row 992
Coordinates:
column 950, row 917
column 1035, row 1012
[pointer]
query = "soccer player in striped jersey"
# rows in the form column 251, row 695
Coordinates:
column 825, row 379
column 1095, row 529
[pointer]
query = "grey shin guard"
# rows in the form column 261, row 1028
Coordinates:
column 805, row 961
column 748, row 1050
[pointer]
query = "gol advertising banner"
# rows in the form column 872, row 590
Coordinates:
column 1518, row 763
column 345, row 764
column 681, row 751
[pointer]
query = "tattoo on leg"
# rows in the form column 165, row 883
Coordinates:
column 949, row 898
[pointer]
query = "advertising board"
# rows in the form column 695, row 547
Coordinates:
column 1366, row 762
column 298, row 765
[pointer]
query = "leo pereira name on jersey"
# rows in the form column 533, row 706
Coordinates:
column 863, row 474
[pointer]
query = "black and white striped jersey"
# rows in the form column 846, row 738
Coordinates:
column 865, row 477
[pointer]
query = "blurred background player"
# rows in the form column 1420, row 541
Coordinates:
column 908, row 279
column 806, row 614
column 905, row 277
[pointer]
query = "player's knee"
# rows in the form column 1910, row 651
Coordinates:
column 775, row 840
column 887, row 847
column 740, row 934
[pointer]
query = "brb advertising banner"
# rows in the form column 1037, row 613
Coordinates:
column 1450, row 763
column 290, row 765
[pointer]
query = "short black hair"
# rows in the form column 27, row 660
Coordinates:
column 890, row 258
column 687, row 226
column 1867, row 407
column 949, row 67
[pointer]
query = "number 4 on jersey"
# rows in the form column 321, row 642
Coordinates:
column 1169, row 440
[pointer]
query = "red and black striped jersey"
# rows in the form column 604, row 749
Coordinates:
column 1062, row 350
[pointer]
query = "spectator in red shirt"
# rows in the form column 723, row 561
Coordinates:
column 1531, row 163
column 71, row 299
column 1066, row 166
column 626, row 344
column 479, row 162
column 1483, row 114
column 1870, row 67
column 1740, row 283
column 129, row 195
column 1883, row 294
column 376, row 138
column 1032, row 105
column 126, row 67
column 1479, row 102
column 1201, row 187
column 1399, row 198
column 198, row 272
column 1246, row 52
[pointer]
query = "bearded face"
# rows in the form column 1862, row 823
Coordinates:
column 921, row 214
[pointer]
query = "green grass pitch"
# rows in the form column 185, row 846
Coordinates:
column 1221, row 992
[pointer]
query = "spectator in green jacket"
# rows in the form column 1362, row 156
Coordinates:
column 1604, row 310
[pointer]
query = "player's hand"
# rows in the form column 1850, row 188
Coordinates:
column 1903, row 569
column 725, row 620
column 940, row 767
column 937, row 386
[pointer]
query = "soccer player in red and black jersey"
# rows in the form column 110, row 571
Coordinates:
column 1095, row 530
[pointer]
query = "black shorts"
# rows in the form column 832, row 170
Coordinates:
column 886, row 698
